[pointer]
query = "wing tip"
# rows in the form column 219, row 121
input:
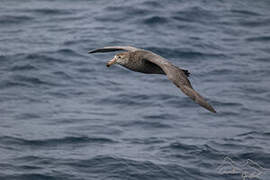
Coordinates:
column 210, row 108
column 92, row 51
column 207, row 106
column 112, row 48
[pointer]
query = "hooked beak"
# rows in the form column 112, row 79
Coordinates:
column 111, row 62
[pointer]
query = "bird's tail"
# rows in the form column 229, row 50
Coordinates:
column 187, row 73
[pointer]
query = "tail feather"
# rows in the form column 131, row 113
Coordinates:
column 187, row 73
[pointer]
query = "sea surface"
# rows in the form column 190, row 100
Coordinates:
column 65, row 116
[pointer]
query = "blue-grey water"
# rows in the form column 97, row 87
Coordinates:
column 65, row 116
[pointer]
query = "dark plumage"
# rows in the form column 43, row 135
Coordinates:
column 144, row 61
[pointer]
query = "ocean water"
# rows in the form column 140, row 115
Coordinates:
column 65, row 116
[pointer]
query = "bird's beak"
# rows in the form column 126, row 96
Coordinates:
column 111, row 62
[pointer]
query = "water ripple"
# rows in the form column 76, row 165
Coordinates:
column 9, row 19
column 53, row 142
column 64, row 115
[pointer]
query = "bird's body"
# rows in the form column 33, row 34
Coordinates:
column 147, row 62
column 139, row 64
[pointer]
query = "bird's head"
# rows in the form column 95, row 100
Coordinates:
column 121, row 58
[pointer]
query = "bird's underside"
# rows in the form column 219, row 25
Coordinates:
column 150, row 63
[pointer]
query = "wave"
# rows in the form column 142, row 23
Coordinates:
column 23, row 67
column 31, row 80
column 123, row 167
column 155, row 20
column 51, row 11
column 105, row 126
column 146, row 124
column 41, row 143
column 245, row 12
column 14, row 19
column 255, row 23
column 259, row 39
column 254, row 133
column 39, row 176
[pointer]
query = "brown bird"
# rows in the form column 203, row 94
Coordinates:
column 144, row 61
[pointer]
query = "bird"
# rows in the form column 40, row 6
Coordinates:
column 145, row 61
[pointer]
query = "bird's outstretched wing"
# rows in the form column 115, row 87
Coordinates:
column 175, row 74
column 178, row 77
column 113, row 48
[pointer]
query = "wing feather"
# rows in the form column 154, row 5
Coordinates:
column 113, row 48
column 174, row 74
column 195, row 96
column 179, row 78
